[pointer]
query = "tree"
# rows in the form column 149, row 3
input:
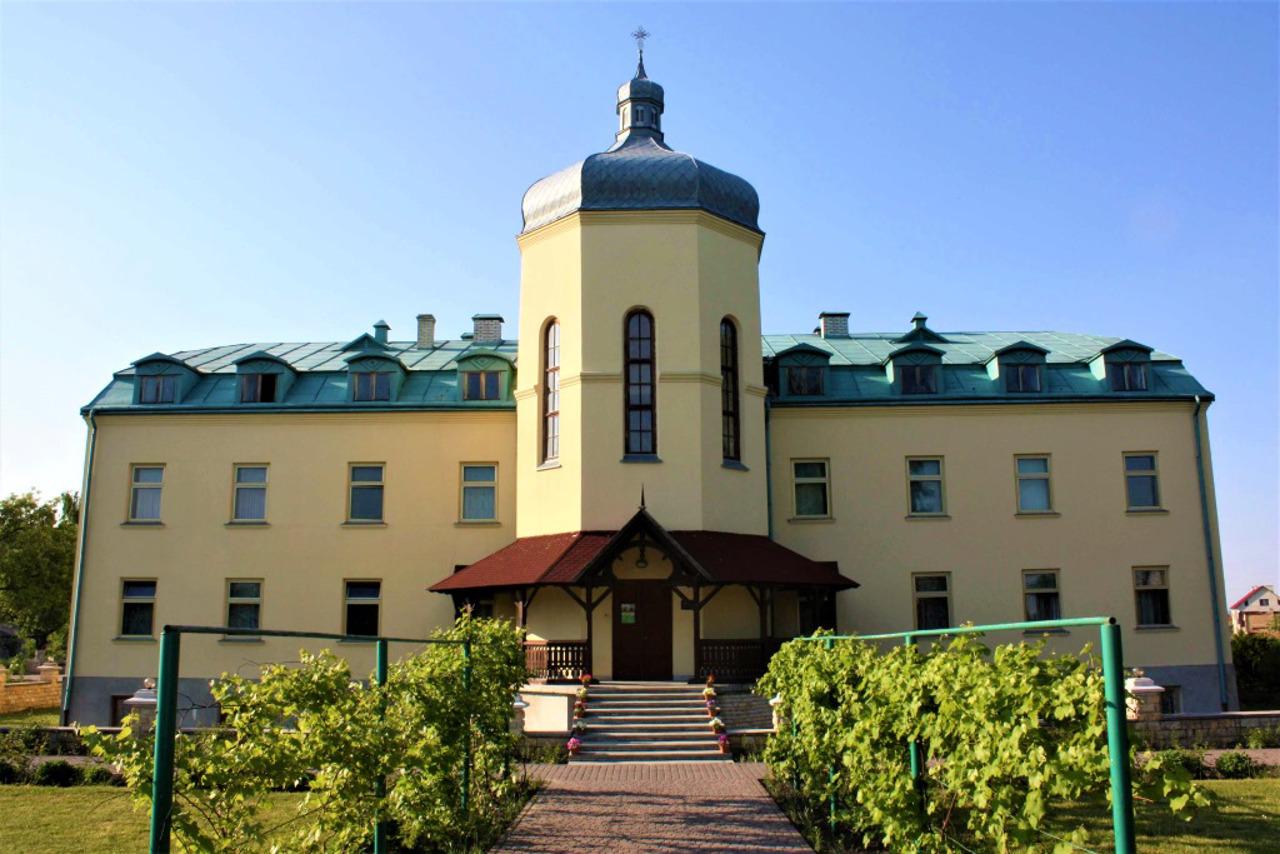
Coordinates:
column 37, row 560
column 1257, row 660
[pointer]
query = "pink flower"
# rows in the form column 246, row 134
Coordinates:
column 574, row 744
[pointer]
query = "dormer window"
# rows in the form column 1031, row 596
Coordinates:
column 806, row 380
column 480, row 385
column 157, row 389
column 372, row 385
column 1022, row 378
column 258, row 388
column 919, row 379
column 1127, row 376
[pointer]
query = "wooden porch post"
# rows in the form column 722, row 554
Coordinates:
column 589, row 664
column 697, row 633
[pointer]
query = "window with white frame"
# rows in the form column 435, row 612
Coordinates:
column 1151, row 595
column 1040, row 594
column 932, row 594
column 479, row 492
column 144, row 496
column 926, row 496
column 249, row 504
column 811, row 483
column 137, row 607
column 1141, row 481
column 244, row 603
column 362, row 603
column 365, row 489
column 1034, row 493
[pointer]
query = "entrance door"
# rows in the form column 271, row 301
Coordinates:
column 641, row 630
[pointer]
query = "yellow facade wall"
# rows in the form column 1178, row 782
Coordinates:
column 305, row 552
column 690, row 270
column 983, row 543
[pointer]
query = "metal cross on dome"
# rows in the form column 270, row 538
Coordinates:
column 640, row 35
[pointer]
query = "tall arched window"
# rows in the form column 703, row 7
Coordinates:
column 551, row 392
column 641, row 417
column 730, row 422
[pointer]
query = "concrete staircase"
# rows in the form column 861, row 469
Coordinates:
column 648, row 722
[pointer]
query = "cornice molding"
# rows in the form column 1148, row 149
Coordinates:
column 1021, row 408
column 680, row 216
column 370, row 416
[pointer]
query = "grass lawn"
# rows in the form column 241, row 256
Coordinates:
column 97, row 819
column 31, row 717
column 1244, row 819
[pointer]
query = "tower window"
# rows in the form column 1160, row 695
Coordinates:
column 729, row 414
column 551, row 393
column 640, row 415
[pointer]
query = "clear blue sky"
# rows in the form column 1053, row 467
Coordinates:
column 176, row 175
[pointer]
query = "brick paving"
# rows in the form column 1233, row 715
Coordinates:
column 679, row 807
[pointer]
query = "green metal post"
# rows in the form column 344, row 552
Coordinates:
column 1117, row 740
column 380, row 783
column 466, row 686
column 831, row 775
column 913, row 749
column 166, row 731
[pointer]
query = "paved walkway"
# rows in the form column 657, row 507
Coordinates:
column 694, row 806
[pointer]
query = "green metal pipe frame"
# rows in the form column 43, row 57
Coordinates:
column 1113, row 682
column 81, row 551
column 380, row 784
column 167, row 716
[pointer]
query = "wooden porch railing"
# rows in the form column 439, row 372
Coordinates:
column 736, row 660
column 556, row 659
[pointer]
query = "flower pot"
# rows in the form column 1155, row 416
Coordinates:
column 724, row 748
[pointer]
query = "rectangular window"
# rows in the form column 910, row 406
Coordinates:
column 1032, row 474
column 372, row 386
column 1127, row 376
column 1040, row 594
column 137, row 608
column 1171, row 700
column 361, row 612
column 1151, row 593
column 366, row 493
column 933, row 600
column 812, row 489
column 805, row 381
column 258, row 388
column 919, row 379
column 144, row 498
column 1021, row 378
column 924, row 482
column 160, row 389
column 1142, row 488
column 244, row 604
column 480, row 385
column 479, row 492
column 250, row 501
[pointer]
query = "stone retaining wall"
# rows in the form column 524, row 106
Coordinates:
column 42, row 692
column 1227, row 729
column 740, row 709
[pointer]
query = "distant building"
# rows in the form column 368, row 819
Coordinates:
column 640, row 478
column 1256, row 610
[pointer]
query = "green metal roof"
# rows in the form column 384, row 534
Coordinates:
column 857, row 374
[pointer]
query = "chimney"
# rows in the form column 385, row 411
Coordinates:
column 835, row 324
column 380, row 330
column 426, row 331
column 488, row 328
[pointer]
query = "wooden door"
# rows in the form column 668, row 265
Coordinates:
column 641, row 630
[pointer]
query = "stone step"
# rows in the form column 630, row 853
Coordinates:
column 652, row 756
column 593, row 745
column 611, row 737
column 595, row 697
column 651, row 711
column 647, row 727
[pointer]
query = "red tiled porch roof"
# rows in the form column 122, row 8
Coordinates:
column 529, row 561
column 717, row 556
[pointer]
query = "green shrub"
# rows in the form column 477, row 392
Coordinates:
column 1016, row 730
column 12, row 772
column 1261, row 738
column 341, row 734
column 58, row 772
column 100, row 775
column 1191, row 761
column 1257, row 662
column 1236, row 766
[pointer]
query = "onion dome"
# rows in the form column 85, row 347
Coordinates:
column 640, row 172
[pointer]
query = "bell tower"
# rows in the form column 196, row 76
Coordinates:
column 640, row 357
